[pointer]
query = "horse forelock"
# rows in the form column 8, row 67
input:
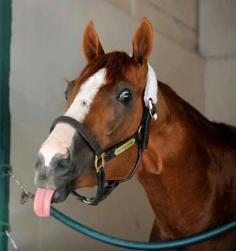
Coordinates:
column 115, row 63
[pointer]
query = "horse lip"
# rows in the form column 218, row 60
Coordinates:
column 61, row 194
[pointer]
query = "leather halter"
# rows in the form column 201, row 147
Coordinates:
column 104, row 188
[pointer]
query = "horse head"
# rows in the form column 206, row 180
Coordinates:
column 106, row 100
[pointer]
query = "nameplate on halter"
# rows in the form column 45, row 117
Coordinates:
column 125, row 146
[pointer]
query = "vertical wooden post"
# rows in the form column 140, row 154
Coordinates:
column 5, row 39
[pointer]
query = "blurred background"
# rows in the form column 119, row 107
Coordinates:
column 194, row 52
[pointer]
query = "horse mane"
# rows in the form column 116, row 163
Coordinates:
column 212, row 129
column 116, row 63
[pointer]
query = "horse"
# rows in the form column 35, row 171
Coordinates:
column 185, row 163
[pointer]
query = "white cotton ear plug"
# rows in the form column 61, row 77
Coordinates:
column 151, row 88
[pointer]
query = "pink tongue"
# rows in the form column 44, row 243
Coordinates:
column 42, row 202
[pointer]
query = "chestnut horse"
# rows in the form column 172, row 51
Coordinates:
column 188, row 167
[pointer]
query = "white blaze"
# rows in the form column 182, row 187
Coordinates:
column 60, row 138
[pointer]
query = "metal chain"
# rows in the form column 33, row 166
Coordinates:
column 26, row 194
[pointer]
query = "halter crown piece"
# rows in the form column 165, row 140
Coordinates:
column 105, row 187
column 151, row 89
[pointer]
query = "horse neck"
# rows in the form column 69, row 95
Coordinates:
column 174, row 167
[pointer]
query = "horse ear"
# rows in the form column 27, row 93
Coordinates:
column 142, row 41
column 91, row 44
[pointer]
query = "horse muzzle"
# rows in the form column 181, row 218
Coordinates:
column 58, row 176
column 54, row 183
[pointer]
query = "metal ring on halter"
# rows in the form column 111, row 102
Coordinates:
column 152, row 109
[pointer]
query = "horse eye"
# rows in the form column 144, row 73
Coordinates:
column 125, row 96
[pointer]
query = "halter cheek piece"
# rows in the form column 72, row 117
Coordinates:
column 104, row 187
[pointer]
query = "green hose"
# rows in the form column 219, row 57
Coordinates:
column 203, row 236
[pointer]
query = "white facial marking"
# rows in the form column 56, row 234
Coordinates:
column 60, row 139
column 81, row 104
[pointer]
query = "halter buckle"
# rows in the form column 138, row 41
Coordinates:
column 99, row 161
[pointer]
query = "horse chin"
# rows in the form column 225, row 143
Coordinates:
column 61, row 194
column 88, row 179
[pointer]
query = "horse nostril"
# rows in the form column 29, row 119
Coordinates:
column 62, row 165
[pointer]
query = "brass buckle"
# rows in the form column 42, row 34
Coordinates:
column 99, row 161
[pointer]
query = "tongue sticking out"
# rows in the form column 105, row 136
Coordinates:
column 42, row 202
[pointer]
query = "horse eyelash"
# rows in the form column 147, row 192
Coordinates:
column 67, row 81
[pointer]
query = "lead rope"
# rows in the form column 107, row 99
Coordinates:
column 178, row 243
column 25, row 195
